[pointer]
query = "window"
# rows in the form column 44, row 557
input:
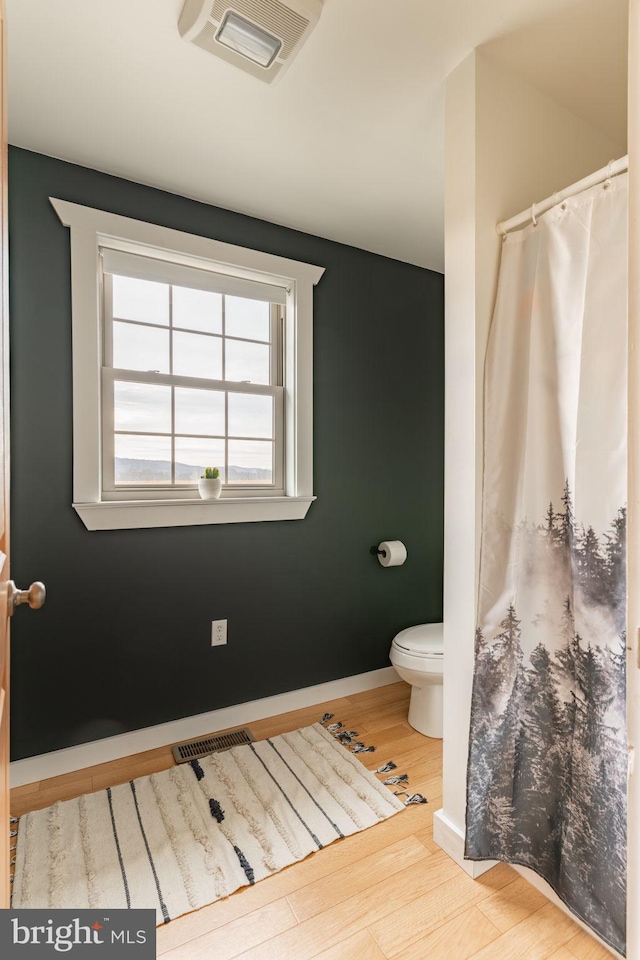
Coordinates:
column 187, row 353
column 191, row 377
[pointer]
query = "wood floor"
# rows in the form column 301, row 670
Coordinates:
column 388, row 892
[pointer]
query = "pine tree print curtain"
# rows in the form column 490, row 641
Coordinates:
column 546, row 784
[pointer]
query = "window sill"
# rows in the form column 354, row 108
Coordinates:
column 132, row 514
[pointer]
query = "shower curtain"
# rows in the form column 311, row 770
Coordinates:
column 546, row 784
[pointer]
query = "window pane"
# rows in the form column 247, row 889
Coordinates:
column 250, row 461
column 192, row 456
column 247, row 361
column 195, row 356
column 142, row 406
column 197, row 309
column 199, row 411
column 140, row 348
column 247, row 318
column 143, row 459
column 141, row 300
column 250, row 416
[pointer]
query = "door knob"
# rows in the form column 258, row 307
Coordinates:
column 34, row 596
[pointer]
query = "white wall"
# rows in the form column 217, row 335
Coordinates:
column 507, row 145
column 633, row 517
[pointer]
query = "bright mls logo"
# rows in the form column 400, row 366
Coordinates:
column 101, row 933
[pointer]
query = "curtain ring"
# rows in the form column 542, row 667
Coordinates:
column 533, row 215
column 607, row 182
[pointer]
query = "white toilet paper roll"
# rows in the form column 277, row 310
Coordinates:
column 393, row 553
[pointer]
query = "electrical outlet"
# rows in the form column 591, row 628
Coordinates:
column 218, row 633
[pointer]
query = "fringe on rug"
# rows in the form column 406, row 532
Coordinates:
column 347, row 739
column 346, row 736
column 387, row 767
column 14, row 821
column 401, row 778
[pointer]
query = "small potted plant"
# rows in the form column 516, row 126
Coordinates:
column 210, row 484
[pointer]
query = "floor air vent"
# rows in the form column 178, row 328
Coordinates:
column 194, row 749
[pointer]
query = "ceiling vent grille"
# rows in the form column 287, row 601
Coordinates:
column 287, row 21
column 277, row 19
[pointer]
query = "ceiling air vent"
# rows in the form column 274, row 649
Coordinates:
column 259, row 36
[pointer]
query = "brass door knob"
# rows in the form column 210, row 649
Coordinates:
column 34, row 596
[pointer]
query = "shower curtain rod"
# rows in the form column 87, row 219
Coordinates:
column 613, row 169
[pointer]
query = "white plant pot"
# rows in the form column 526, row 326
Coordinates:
column 210, row 489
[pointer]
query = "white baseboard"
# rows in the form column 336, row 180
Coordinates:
column 84, row 755
column 451, row 839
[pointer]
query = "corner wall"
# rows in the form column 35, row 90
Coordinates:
column 507, row 146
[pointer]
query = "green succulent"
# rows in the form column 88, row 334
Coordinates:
column 211, row 473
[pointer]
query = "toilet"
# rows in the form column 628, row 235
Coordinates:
column 417, row 655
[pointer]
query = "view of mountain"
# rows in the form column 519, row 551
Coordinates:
column 155, row 471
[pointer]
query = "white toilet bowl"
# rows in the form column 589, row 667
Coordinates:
column 417, row 655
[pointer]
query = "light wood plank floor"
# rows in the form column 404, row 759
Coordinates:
column 388, row 892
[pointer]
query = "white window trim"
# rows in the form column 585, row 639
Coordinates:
column 91, row 229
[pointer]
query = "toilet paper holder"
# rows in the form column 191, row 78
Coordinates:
column 390, row 553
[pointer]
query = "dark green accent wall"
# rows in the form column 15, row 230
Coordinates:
column 124, row 638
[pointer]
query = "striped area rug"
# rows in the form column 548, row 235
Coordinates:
column 180, row 839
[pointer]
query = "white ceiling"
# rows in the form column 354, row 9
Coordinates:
column 348, row 145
